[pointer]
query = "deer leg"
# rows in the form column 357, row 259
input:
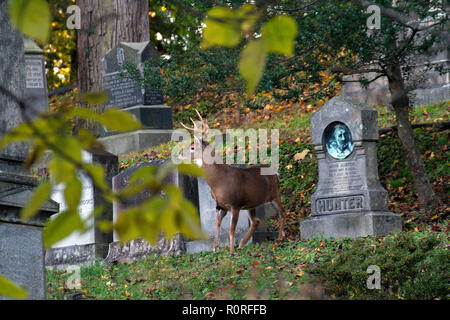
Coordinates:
column 253, row 226
column 221, row 213
column 281, row 233
column 234, row 220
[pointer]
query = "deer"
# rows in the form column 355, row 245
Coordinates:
column 235, row 189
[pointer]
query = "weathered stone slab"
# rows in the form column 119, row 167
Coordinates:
column 21, row 245
column 123, row 91
column 127, row 142
column 93, row 244
column 349, row 199
column 145, row 103
column 12, row 77
column 36, row 93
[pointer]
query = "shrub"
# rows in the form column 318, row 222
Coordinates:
column 413, row 266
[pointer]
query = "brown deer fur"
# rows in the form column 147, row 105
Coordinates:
column 236, row 188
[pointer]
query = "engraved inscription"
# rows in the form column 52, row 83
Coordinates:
column 123, row 92
column 343, row 176
column 341, row 204
column 34, row 74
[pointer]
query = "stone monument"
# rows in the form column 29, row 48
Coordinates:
column 145, row 103
column 35, row 81
column 349, row 200
column 21, row 245
column 94, row 243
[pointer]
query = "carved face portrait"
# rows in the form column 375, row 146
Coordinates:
column 338, row 140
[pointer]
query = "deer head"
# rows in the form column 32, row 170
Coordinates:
column 199, row 144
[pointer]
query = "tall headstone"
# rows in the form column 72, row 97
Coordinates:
column 349, row 200
column 35, row 80
column 21, row 246
column 94, row 243
column 142, row 101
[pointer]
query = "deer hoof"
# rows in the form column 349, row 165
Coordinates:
column 216, row 249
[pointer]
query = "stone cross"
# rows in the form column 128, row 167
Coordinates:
column 349, row 200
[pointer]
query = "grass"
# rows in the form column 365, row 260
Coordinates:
column 413, row 265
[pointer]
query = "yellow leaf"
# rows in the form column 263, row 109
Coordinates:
column 302, row 155
column 9, row 289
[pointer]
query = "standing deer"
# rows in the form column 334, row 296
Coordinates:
column 235, row 188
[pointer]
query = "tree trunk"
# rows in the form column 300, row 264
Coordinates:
column 104, row 24
column 400, row 103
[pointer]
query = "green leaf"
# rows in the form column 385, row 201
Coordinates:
column 38, row 198
column 9, row 289
column 143, row 174
column 61, row 226
column 61, row 170
column 190, row 221
column 72, row 194
column 252, row 62
column 94, row 98
column 127, row 226
column 97, row 173
column 190, row 169
column 279, row 34
column 115, row 119
column 105, row 226
column 22, row 132
column 31, row 17
column 222, row 28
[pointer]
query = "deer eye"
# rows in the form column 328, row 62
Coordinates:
column 192, row 148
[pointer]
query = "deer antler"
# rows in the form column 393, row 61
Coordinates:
column 204, row 127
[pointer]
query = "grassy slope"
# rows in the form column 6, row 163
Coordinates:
column 413, row 264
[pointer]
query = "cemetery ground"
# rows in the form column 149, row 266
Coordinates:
column 414, row 263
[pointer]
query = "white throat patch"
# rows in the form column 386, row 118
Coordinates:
column 198, row 162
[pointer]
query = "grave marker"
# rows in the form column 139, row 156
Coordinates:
column 145, row 103
column 21, row 245
column 349, row 200
column 94, row 244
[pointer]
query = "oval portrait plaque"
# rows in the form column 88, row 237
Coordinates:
column 338, row 140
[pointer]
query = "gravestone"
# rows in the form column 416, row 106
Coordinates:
column 21, row 246
column 138, row 248
column 349, row 200
column 94, row 244
column 143, row 102
column 35, row 80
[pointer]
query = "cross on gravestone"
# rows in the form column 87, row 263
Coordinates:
column 94, row 243
column 349, row 200
column 143, row 102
